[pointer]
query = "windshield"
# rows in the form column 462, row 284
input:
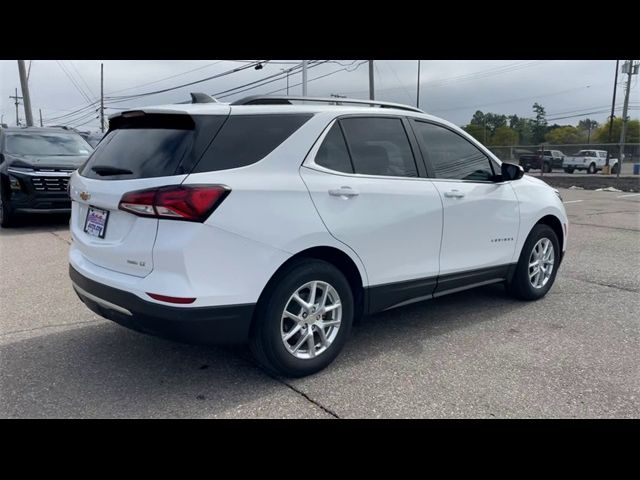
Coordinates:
column 23, row 143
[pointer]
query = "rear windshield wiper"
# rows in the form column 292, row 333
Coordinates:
column 107, row 170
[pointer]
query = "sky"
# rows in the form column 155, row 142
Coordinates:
column 68, row 91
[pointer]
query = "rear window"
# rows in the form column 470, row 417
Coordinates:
column 247, row 139
column 152, row 145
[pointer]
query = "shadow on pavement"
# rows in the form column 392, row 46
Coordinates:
column 33, row 223
column 105, row 370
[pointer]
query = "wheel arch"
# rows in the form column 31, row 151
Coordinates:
column 556, row 225
column 338, row 258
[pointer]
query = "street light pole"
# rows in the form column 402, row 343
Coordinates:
column 304, row 78
column 625, row 109
column 286, row 70
column 418, row 88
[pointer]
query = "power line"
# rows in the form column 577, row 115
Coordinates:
column 166, row 78
column 164, row 90
column 469, row 76
column 72, row 80
column 346, row 69
column 82, row 79
column 512, row 100
column 265, row 81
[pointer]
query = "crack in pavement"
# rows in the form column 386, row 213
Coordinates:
column 291, row 387
column 605, row 226
column 616, row 287
column 61, row 238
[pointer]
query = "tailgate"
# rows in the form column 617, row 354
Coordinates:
column 127, row 246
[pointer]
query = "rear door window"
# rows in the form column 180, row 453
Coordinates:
column 379, row 146
column 247, row 139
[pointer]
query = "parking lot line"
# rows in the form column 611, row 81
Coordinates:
column 628, row 195
column 574, row 201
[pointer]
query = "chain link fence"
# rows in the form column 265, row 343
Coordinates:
column 512, row 153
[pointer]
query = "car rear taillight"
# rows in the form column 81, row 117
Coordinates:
column 178, row 202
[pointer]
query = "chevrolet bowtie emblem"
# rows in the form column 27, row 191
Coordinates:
column 85, row 196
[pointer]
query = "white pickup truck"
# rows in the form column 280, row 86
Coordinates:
column 590, row 160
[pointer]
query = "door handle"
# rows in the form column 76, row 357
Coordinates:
column 454, row 194
column 345, row 192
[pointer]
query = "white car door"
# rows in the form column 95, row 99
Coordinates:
column 481, row 216
column 372, row 195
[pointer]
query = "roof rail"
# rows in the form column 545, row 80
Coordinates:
column 286, row 100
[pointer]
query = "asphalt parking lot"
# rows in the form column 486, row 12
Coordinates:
column 480, row 354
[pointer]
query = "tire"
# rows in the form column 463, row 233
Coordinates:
column 7, row 215
column 521, row 285
column 614, row 169
column 568, row 170
column 270, row 324
column 526, row 168
column 546, row 168
column 592, row 169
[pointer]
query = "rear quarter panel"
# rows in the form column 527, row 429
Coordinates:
column 270, row 204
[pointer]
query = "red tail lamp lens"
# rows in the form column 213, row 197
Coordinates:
column 179, row 202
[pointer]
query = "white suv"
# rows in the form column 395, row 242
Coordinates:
column 281, row 224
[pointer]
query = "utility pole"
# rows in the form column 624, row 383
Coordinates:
column 304, row 78
column 17, row 102
column 40, row 110
column 607, row 170
column 26, row 100
column 102, row 97
column 630, row 70
column 287, row 70
column 372, row 95
column 418, row 88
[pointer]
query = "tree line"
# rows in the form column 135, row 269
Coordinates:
column 494, row 129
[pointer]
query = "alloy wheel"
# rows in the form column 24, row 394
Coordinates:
column 541, row 263
column 311, row 319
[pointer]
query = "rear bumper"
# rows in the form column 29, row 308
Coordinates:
column 228, row 324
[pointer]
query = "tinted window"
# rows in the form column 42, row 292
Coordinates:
column 246, row 139
column 451, row 155
column 153, row 145
column 30, row 143
column 333, row 153
column 143, row 152
column 379, row 146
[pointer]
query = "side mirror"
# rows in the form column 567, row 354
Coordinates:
column 511, row 171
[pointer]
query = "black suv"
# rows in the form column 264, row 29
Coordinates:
column 35, row 165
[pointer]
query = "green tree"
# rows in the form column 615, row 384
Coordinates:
column 504, row 136
column 476, row 131
column 587, row 127
column 539, row 126
column 565, row 134
column 524, row 127
column 601, row 135
column 477, row 119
